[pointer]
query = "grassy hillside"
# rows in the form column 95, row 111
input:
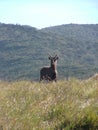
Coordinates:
column 65, row 105
column 24, row 50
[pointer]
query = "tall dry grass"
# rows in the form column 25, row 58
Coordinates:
column 65, row 105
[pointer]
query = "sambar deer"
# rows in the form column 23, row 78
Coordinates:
column 49, row 73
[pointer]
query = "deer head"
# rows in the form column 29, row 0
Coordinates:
column 53, row 59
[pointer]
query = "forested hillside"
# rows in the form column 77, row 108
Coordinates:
column 25, row 49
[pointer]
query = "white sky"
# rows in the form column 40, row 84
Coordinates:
column 45, row 13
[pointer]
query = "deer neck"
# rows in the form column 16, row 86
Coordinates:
column 53, row 66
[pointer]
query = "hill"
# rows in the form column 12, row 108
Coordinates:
column 25, row 49
column 65, row 105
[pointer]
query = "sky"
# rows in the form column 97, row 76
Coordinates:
column 46, row 13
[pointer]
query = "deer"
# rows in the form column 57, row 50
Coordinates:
column 49, row 73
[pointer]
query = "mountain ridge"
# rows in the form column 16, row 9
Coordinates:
column 25, row 49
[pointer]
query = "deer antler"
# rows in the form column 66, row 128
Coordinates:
column 56, row 57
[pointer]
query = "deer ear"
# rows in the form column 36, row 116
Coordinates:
column 57, row 57
column 49, row 57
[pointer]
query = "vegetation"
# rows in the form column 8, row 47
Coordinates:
column 65, row 105
column 24, row 50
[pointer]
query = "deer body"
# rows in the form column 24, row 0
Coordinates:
column 49, row 72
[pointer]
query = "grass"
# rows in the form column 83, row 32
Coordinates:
column 65, row 105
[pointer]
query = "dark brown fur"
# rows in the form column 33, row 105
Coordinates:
column 49, row 73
